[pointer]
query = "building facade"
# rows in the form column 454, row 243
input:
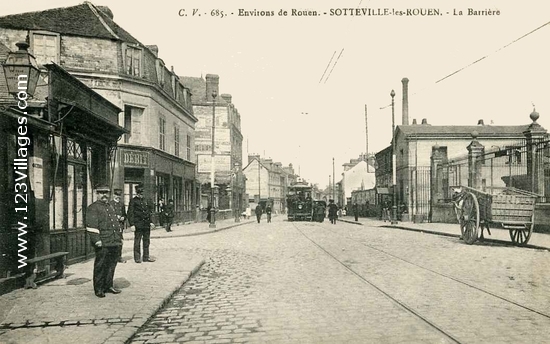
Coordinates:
column 415, row 146
column 218, row 121
column 158, row 148
column 52, row 155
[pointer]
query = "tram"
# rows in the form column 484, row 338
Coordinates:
column 299, row 202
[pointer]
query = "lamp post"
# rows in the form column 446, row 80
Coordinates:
column 237, row 200
column 213, row 164
column 21, row 72
column 394, row 167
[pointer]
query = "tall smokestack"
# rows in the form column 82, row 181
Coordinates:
column 405, row 82
column 212, row 82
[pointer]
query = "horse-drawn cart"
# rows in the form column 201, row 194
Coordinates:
column 511, row 208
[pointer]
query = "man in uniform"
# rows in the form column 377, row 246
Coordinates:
column 258, row 210
column 120, row 212
column 103, row 228
column 139, row 215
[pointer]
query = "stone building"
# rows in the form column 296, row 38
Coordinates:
column 207, row 104
column 158, row 148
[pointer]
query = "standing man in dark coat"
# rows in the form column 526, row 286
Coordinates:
column 169, row 214
column 139, row 215
column 258, row 212
column 332, row 211
column 120, row 211
column 268, row 213
column 356, row 211
column 104, row 230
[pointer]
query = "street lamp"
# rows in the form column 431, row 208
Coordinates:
column 234, row 187
column 394, row 167
column 213, row 167
column 21, row 72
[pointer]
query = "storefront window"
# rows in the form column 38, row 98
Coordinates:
column 177, row 193
column 162, row 188
column 56, row 186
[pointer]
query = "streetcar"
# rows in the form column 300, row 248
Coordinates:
column 299, row 202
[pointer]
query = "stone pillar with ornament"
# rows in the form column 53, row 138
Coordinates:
column 475, row 152
column 535, row 139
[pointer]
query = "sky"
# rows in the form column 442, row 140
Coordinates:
column 302, row 83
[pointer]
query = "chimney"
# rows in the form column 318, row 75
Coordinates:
column 252, row 157
column 154, row 49
column 414, row 121
column 480, row 122
column 424, row 121
column 212, row 85
column 226, row 97
column 405, row 82
column 107, row 11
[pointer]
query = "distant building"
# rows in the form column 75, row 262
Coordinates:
column 228, row 140
column 414, row 146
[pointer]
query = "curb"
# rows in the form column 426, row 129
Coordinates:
column 486, row 240
column 352, row 222
column 201, row 233
column 128, row 331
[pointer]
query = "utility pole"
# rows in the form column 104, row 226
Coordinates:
column 366, row 139
column 333, row 185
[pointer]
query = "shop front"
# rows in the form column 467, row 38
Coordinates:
column 71, row 135
column 163, row 176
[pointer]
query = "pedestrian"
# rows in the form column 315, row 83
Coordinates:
column 268, row 213
column 139, row 215
column 169, row 214
column 120, row 211
column 248, row 212
column 332, row 211
column 103, row 228
column 208, row 216
column 356, row 211
column 258, row 211
column 161, row 206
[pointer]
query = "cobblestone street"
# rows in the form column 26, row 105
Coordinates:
column 313, row 283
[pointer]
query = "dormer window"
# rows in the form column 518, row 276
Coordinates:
column 160, row 72
column 132, row 60
column 45, row 47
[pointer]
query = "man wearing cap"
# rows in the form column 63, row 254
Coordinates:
column 120, row 212
column 139, row 215
column 103, row 227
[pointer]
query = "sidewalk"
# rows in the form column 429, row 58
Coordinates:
column 67, row 310
column 537, row 240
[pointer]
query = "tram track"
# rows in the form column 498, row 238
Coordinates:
column 379, row 289
column 401, row 303
column 449, row 277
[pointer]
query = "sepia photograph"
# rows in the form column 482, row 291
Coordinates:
column 283, row 171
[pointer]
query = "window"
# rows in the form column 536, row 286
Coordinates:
column 45, row 47
column 176, row 141
column 132, row 61
column 132, row 122
column 162, row 133
column 160, row 72
column 189, row 147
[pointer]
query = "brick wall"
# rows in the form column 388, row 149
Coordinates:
column 89, row 54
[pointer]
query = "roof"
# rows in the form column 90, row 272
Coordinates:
column 420, row 130
column 85, row 20
column 197, row 85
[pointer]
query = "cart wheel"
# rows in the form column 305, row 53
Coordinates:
column 520, row 236
column 470, row 218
